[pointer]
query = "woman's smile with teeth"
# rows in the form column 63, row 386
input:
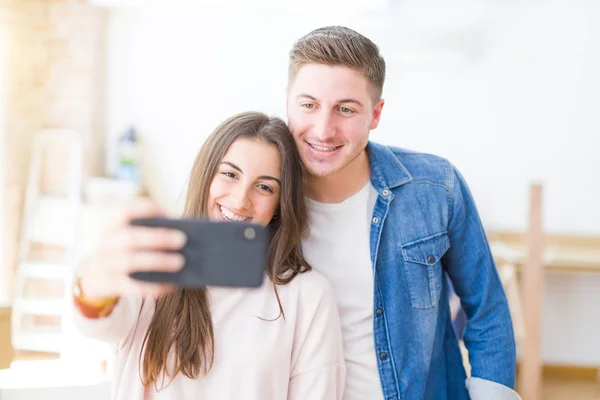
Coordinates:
column 230, row 215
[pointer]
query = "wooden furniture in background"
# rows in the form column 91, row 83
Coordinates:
column 548, row 253
column 47, row 246
column 533, row 279
column 6, row 350
column 561, row 253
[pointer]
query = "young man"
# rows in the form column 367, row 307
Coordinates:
column 387, row 227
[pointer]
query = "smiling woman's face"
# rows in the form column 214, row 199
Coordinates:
column 246, row 187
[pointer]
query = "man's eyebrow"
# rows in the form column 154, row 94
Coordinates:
column 351, row 101
column 348, row 100
column 308, row 96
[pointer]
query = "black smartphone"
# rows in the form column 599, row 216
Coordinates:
column 230, row 254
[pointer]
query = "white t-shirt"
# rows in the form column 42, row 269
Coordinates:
column 338, row 247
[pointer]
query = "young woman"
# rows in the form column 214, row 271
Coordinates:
column 280, row 341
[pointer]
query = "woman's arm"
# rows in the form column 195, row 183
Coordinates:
column 114, row 327
column 108, row 302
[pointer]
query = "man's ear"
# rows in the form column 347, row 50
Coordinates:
column 377, row 113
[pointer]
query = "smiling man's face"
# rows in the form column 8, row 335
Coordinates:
column 330, row 112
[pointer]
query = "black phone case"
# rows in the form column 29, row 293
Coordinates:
column 216, row 253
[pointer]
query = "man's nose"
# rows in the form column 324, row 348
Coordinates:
column 324, row 129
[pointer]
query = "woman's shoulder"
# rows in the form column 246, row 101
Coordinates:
column 310, row 278
column 309, row 286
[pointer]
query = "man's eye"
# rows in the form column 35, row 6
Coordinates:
column 346, row 110
column 308, row 105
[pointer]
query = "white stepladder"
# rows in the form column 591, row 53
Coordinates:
column 50, row 220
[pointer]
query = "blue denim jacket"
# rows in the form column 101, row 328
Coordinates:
column 425, row 228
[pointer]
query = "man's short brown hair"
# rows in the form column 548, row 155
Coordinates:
column 339, row 46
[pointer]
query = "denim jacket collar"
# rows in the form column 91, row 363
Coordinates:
column 387, row 172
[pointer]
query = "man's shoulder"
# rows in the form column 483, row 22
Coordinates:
column 422, row 167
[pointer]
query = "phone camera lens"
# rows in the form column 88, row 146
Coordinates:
column 249, row 233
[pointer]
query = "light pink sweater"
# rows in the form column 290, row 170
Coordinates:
column 300, row 357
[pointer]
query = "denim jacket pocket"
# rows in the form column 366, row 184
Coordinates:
column 423, row 268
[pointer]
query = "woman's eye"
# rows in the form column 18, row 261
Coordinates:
column 266, row 188
column 308, row 105
column 228, row 174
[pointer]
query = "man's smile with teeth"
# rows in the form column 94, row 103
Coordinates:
column 323, row 148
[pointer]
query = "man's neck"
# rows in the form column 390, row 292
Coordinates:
column 341, row 185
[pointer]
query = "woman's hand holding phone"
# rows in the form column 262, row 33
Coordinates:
column 125, row 249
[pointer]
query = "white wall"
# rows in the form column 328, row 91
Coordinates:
column 4, row 297
column 508, row 91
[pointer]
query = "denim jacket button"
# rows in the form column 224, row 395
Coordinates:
column 379, row 312
column 383, row 356
column 431, row 259
column 375, row 220
column 385, row 192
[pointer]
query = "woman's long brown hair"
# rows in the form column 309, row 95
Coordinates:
column 180, row 338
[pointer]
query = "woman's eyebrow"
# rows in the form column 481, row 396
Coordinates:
column 232, row 165
column 270, row 178
column 265, row 177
